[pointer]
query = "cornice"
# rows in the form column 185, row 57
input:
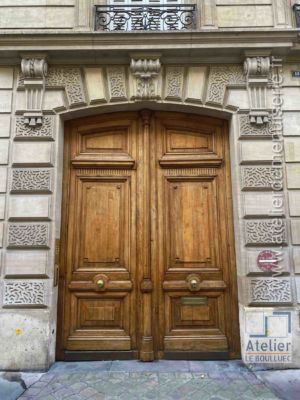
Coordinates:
column 86, row 40
column 206, row 43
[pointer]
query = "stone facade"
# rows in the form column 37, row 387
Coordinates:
column 98, row 77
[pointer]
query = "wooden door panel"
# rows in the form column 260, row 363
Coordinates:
column 186, row 142
column 103, row 225
column 104, row 143
column 192, row 223
column 192, row 326
column 99, row 322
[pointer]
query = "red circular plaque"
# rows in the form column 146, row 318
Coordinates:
column 267, row 260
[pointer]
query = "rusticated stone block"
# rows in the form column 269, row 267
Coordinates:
column 4, row 125
column 26, row 263
column 174, row 83
column 31, row 180
column 248, row 130
column 295, row 230
column 270, row 290
column 32, row 154
column 262, row 178
column 116, row 79
column 25, row 293
column 267, row 204
column 28, row 235
column 257, row 152
column 41, row 132
column 265, row 232
column 293, row 176
column 29, row 207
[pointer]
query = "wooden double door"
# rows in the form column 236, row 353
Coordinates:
column 147, row 266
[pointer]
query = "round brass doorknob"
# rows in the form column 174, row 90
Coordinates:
column 100, row 283
column 194, row 283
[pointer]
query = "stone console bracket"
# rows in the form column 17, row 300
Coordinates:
column 34, row 69
column 257, row 70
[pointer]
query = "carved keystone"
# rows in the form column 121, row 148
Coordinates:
column 34, row 68
column 145, row 68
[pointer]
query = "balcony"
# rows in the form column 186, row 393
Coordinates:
column 145, row 18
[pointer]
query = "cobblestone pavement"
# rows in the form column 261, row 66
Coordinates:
column 130, row 380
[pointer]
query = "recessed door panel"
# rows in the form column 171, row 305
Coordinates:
column 103, row 223
column 191, row 220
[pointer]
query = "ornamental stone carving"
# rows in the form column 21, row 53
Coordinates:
column 265, row 232
column 262, row 178
column 220, row 77
column 28, row 235
column 45, row 131
column 24, row 294
column 67, row 78
column 145, row 68
column 34, row 69
column 250, row 130
column 30, row 180
column 71, row 80
column 257, row 70
column 270, row 290
column 174, row 83
column 116, row 79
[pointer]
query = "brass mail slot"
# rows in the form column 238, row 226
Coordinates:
column 194, row 300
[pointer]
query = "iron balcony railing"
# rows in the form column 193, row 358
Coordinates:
column 175, row 17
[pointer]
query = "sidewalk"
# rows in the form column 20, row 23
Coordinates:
column 130, row 380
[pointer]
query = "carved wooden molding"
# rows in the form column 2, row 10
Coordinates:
column 257, row 70
column 145, row 68
column 34, row 69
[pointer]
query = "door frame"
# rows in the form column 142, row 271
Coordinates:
column 64, row 212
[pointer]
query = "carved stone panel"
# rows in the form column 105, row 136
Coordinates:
column 28, row 235
column 262, row 178
column 248, row 130
column 270, row 290
column 24, row 293
column 174, row 83
column 116, row 79
column 41, row 132
column 219, row 77
column 31, row 180
column 69, row 78
column 265, row 232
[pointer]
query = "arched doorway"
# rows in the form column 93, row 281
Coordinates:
column 147, row 264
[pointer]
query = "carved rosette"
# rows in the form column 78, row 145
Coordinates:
column 257, row 70
column 146, row 71
column 34, row 69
